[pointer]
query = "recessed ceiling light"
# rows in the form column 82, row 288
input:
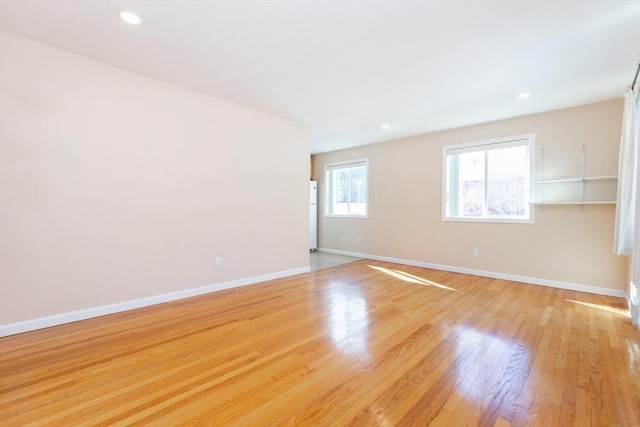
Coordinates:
column 130, row 18
column 524, row 95
column 386, row 126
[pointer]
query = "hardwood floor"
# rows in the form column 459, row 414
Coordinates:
column 365, row 344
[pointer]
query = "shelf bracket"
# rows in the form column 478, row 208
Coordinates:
column 582, row 162
column 541, row 177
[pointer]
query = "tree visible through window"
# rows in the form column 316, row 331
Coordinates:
column 346, row 188
column 488, row 180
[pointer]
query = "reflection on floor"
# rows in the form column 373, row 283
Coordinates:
column 320, row 260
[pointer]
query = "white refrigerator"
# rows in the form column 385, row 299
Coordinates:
column 313, row 215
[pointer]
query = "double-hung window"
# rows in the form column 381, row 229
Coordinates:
column 488, row 180
column 346, row 188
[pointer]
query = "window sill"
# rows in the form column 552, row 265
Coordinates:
column 346, row 216
column 491, row 220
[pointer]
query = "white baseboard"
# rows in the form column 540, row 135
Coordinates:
column 74, row 316
column 513, row 277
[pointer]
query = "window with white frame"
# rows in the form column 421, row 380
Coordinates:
column 346, row 188
column 488, row 180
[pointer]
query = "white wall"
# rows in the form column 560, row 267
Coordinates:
column 565, row 244
column 115, row 186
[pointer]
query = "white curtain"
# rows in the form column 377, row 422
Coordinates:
column 634, row 273
column 626, row 241
column 625, row 217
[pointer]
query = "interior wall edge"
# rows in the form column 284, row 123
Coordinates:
column 75, row 316
column 491, row 274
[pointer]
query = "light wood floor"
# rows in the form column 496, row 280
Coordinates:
column 367, row 344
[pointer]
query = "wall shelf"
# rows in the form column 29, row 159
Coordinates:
column 581, row 190
column 612, row 202
column 585, row 178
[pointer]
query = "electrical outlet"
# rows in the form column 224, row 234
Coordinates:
column 218, row 262
column 359, row 240
column 475, row 252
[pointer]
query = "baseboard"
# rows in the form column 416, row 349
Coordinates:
column 74, row 316
column 494, row 275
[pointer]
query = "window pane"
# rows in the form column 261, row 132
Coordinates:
column 357, row 202
column 342, row 190
column 471, row 182
column 507, row 171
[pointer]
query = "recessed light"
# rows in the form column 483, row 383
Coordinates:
column 386, row 126
column 524, row 95
column 130, row 18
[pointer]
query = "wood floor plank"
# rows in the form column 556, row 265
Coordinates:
column 366, row 343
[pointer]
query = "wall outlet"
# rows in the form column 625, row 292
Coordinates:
column 359, row 240
column 475, row 252
column 218, row 262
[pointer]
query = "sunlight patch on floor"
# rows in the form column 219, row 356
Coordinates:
column 613, row 310
column 410, row 278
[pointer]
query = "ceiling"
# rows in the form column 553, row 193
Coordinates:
column 347, row 67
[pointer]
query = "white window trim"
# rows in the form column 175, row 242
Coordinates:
column 532, row 140
column 326, row 188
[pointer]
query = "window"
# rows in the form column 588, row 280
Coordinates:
column 346, row 188
column 488, row 180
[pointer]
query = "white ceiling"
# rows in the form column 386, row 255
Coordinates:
column 347, row 67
